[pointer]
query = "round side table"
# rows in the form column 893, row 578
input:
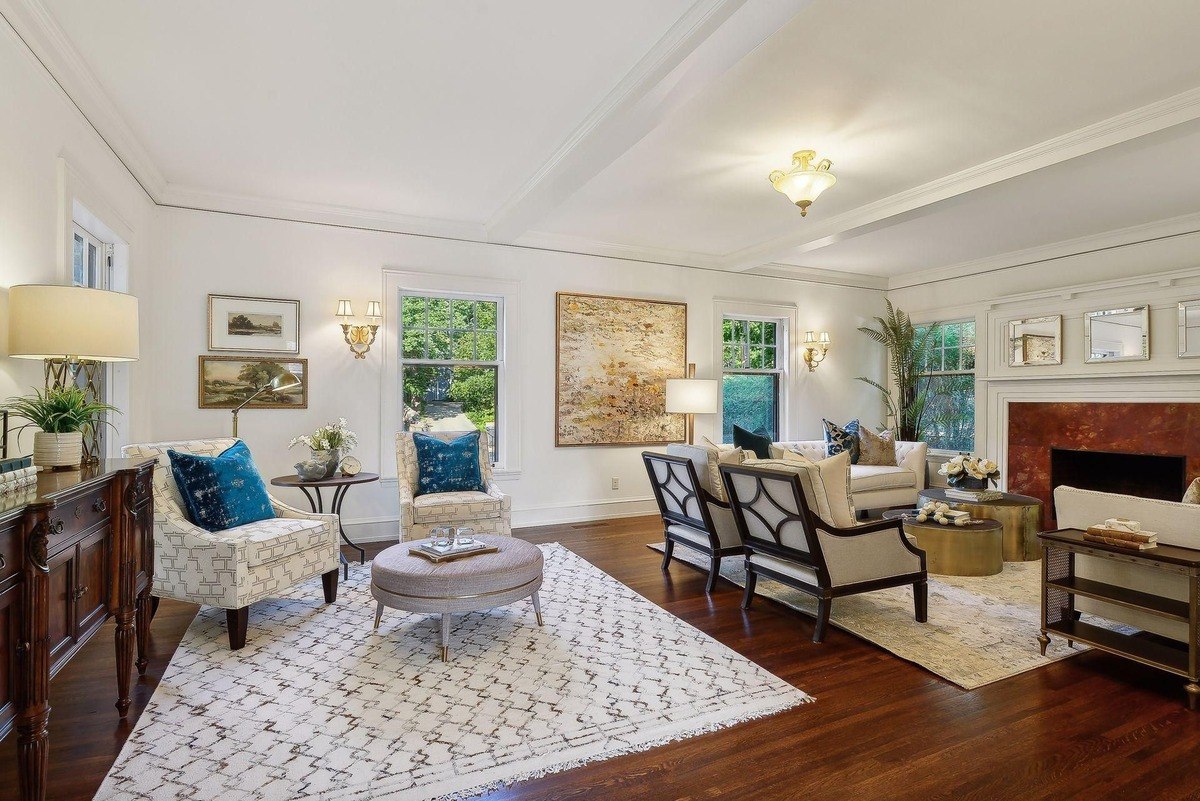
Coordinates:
column 976, row 549
column 339, row 484
column 1021, row 516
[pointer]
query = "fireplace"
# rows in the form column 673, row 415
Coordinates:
column 1143, row 474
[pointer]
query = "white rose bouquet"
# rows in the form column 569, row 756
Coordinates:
column 970, row 471
column 331, row 436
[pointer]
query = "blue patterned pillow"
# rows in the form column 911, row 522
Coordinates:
column 842, row 438
column 223, row 491
column 448, row 466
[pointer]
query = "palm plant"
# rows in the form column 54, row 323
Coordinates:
column 908, row 352
column 58, row 410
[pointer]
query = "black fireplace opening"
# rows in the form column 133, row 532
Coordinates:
column 1139, row 474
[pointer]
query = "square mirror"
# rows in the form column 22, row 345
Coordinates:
column 1117, row 335
column 1189, row 329
column 1037, row 340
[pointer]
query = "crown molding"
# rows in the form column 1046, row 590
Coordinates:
column 564, row 243
column 915, row 202
column 819, row 275
column 1122, row 237
column 51, row 46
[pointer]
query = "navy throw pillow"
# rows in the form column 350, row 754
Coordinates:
column 223, row 491
column 842, row 438
column 448, row 466
column 760, row 444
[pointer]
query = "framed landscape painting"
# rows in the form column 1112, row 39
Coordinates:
column 226, row 381
column 613, row 358
column 256, row 325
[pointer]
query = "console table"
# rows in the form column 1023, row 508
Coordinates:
column 1060, row 586
column 75, row 550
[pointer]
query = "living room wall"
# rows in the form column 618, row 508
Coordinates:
column 202, row 252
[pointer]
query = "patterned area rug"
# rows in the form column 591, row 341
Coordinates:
column 980, row 629
column 316, row 706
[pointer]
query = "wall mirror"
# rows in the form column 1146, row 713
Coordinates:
column 1037, row 340
column 1117, row 335
column 1189, row 328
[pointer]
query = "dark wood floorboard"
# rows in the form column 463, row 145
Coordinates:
column 1092, row 726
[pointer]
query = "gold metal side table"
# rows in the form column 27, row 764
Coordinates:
column 1021, row 516
column 976, row 549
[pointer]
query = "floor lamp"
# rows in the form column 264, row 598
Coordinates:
column 75, row 331
column 284, row 380
column 692, row 396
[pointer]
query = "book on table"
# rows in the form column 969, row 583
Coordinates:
column 451, row 551
column 976, row 496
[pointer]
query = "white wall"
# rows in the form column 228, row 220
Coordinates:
column 200, row 252
column 49, row 157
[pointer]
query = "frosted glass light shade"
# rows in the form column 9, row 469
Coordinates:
column 693, row 396
column 48, row 321
column 804, row 182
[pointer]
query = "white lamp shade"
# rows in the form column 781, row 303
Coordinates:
column 51, row 322
column 802, row 188
column 693, row 396
column 345, row 309
column 374, row 309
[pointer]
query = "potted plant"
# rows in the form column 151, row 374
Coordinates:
column 62, row 415
column 328, row 444
column 908, row 351
column 970, row 472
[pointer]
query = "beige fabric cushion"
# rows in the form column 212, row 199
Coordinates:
column 826, row 484
column 1193, row 492
column 717, row 456
column 876, row 449
column 277, row 537
column 864, row 478
column 455, row 507
column 517, row 562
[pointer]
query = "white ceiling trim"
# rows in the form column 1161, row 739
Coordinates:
column 51, row 45
column 818, row 275
column 1175, row 226
column 912, row 203
column 711, row 37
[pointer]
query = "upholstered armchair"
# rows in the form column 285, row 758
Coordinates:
column 233, row 569
column 488, row 512
column 786, row 541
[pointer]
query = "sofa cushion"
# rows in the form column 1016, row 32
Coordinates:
column 453, row 507
column 223, row 491
column 826, row 484
column 841, row 438
column 876, row 449
column 710, row 474
column 279, row 538
column 1193, row 492
column 864, row 477
column 448, row 465
column 758, row 444
column 787, row 567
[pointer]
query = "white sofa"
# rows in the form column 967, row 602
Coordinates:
column 1176, row 524
column 876, row 487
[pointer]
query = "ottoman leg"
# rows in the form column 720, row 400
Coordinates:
column 378, row 613
column 445, row 636
column 537, row 606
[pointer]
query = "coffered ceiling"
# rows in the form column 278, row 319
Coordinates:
column 958, row 131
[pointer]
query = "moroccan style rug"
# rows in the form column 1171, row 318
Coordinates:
column 316, row 706
column 980, row 629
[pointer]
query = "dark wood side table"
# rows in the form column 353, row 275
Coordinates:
column 339, row 484
column 1021, row 516
column 1060, row 587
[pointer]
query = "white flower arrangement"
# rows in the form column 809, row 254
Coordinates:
column 331, row 436
column 961, row 468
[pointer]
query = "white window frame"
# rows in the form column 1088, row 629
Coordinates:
column 508, row 418
column 972, row 372
column 785, row 354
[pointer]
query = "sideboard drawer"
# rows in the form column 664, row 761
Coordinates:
column 78, row 514
column 10, row 562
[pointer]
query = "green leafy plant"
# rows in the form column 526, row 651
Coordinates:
column 59, row 410
column 908, row 351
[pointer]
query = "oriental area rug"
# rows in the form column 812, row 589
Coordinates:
column 317, row 706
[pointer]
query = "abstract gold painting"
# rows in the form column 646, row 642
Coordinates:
column 614, row 356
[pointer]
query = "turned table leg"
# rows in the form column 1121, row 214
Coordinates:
column 1193, row 694
column 144, row 614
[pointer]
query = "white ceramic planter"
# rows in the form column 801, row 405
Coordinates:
column 57, row 450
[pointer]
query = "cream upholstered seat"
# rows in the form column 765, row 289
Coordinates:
column 487, row 512
column 234, row 568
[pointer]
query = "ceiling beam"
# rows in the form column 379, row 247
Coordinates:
column 702, row 45
column 918, row 201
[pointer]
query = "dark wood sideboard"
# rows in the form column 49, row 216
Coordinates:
column 74, row 551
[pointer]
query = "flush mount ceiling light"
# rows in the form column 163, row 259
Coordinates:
column 804, row 182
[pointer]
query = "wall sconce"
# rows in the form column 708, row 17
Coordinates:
column 816, row 348
column 360, row 338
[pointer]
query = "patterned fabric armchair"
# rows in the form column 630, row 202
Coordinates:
column 234, row 568
column 487, row 512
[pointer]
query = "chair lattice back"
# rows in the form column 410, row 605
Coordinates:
column 771, row 512
column 677, row 490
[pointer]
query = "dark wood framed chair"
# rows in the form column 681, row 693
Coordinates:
column 786, row 541
column 687, row 513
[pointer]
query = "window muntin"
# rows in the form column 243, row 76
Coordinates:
column 949, row 377
column 753, row 359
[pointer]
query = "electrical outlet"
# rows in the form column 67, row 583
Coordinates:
column 616, row 483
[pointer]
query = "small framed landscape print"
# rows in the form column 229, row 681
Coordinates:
column 226, row 381
column 256, row 325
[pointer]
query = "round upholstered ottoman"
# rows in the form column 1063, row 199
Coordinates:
column 414, row 584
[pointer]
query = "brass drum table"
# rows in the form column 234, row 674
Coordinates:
column 975, row 549
column 1020, row 515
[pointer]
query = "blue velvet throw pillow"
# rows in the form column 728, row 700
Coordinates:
column 842, row 438
column 448, row 466
column 223, row 491
column 756, row 442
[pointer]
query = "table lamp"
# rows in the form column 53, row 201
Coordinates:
column 692, row 396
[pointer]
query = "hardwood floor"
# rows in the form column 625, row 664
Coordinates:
column 1093, row 726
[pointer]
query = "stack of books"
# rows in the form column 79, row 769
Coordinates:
column 1121, row 533
column 975, row 496
column 17, row 473
column 451, row 551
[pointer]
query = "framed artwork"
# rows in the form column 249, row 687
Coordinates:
column 613, row 358
column 255, row 325
column 226, row 381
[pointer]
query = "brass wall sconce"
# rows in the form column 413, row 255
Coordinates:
column 816, row 348
column 360, row 337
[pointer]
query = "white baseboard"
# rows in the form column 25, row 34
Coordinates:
column 387, row 529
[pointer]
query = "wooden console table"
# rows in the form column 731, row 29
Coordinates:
column 75, row 550
column 1060, row 587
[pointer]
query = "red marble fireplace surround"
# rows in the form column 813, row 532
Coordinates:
column 1167, row 429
